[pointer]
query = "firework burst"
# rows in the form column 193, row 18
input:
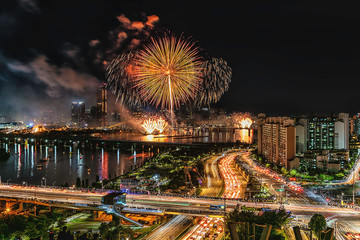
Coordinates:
column 160, row 124
column 149, row 125
column 167, row 71
column 119, row 75
column 242, row 120
column 154, row 123
column 217, row 77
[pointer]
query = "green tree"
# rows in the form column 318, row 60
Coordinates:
column 104, row 230
column 293, row 172
column 284, row 171
column 4, row 229
column 275, row 218
column 317, row 223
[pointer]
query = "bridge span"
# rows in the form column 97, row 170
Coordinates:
column 169, row 204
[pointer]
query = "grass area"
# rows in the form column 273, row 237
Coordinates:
column 170, row 170
column 83, row 223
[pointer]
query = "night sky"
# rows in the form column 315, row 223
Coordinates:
column 288, row 57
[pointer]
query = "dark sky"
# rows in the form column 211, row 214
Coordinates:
column 286, row 57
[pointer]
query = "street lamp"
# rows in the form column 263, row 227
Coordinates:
column 44, row 180
column 7, row 182
column 224, row 206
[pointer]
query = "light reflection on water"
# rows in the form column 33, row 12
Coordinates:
column 65, row 164
column 199, row 136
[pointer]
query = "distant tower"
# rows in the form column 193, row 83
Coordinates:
column 78, row 113
column 101, row 104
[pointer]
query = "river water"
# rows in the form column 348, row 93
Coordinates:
column 64, row 164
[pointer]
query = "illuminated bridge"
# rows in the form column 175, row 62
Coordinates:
column 146, row 204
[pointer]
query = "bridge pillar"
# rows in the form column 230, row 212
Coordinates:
column 21, row 206
column 95, row 215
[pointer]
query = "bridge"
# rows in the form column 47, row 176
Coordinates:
column 146, row 204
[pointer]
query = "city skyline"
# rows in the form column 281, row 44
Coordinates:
column 279, row 67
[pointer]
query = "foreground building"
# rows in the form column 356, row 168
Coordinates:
column 322, row 132
column 276, row 139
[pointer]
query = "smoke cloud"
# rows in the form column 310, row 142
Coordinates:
column 127, row 36
column 51, row 71
column 47, row 87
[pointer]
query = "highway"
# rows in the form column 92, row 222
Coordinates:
column 214, row 187
column 235, row 184
column 275, row 182
column 214, row 183
column 171, row 229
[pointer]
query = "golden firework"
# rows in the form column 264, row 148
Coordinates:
column 167, row 71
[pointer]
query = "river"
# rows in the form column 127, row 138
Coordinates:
column 64, row 164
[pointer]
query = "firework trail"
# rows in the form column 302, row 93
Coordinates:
column 216, row 80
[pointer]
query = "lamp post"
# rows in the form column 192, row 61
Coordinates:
column 281, row 190
column 224, row 206
column 44, row 180
column 7, row 182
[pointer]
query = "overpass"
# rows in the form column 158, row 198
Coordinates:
column 169, row 204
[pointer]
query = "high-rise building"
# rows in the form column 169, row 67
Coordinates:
column 276, row 139
column 301, row 134
column 323, row 132
column 78, row 113
column 355, row 125
column 101, row 104
column 327, row 132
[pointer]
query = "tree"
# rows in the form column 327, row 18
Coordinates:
column 4, row 229
column 284, row 171
column 293, row 172
column 275, row 218
column 317, row 223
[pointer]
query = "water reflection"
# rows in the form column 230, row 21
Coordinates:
column 32, row 162
column 198, row 135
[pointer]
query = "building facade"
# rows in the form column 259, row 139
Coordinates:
column 276, row 139
column 78, row 113
column 322, row 132
column 101, row 105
